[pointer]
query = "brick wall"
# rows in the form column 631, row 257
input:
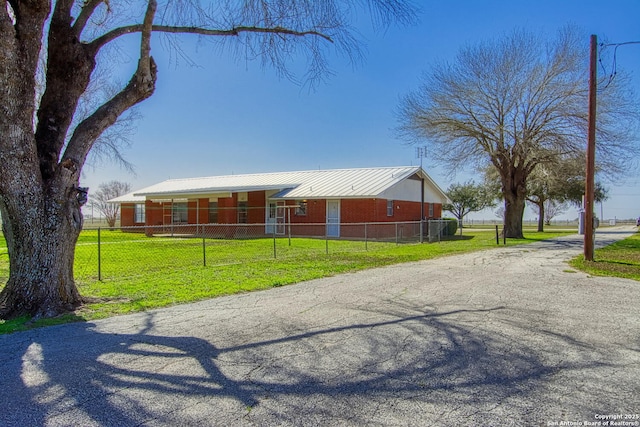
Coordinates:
column 375, row 210
column 203, row 210
column 127, row 214
column 227, row 212
column 351, row 211
column 256, row 201
column 153, row 212
column 316, row 212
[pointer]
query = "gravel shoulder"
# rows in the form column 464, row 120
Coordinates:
column 509, row 336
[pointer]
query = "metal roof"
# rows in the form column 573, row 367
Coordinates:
column 312, row 184
column 128, row 198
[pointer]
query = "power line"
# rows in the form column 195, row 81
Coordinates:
column 614, row 65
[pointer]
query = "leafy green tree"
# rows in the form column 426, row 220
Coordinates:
column 467, row 198
column 552, row 186
column 50, row 54
column 574, row 188
column 539, row 194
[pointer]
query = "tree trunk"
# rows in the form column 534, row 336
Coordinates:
column 513, row 212
column 41, row 233
column 540, row 217
column 41, row 218
column 515, row 191
column 111, row 222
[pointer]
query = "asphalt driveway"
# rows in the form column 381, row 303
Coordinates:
column 510, row 336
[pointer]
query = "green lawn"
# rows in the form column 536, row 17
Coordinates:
column 621, row 259
column 140, row 273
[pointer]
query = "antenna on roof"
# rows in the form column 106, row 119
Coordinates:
column 421, row 153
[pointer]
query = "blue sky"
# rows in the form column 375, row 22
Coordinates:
column 230, row 116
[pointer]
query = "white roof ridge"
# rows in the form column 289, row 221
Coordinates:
column 314, row 183
column 289, row 172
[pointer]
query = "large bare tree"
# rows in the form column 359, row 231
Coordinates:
column 44, row 143
column 99, row 200
column 516, row 103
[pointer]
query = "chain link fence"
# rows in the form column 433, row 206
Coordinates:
column 124, row 252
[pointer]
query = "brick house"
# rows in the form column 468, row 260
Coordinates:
column 309, row 203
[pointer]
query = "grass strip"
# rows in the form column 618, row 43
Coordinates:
column 620, row 259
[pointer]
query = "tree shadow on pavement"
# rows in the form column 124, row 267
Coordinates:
column 399, row 362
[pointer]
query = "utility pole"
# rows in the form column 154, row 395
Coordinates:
column 591, row 154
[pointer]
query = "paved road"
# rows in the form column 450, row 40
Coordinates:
column 510, row 336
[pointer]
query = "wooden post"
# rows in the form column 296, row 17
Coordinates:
column 591, row 153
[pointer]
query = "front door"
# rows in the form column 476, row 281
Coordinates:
column 333, row 218
column 275, row 218
column 280, row 218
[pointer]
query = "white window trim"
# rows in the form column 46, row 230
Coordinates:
column 139, row 213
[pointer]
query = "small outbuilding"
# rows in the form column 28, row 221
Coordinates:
column 310, row 203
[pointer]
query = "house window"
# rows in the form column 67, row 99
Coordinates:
column 389, row 207
column 242, row 212
column 139, row 212
column 430, row 210
column 301, row 210
column 213, row 212
column 272, row 210
column 180, row 213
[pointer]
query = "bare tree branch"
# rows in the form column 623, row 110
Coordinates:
column 118, row 32
column 140, row 87
column 87, row 10
column 519, row 103
column 99, row 199
column 63, row 88
column 44, row 153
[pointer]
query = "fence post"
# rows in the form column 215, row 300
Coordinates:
column 204, row 251
column 289, row 227
column 99, row 258
column 497, row 236
column 274, row 240
column 366, row 247
column 396, row 233
column 326, row 243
